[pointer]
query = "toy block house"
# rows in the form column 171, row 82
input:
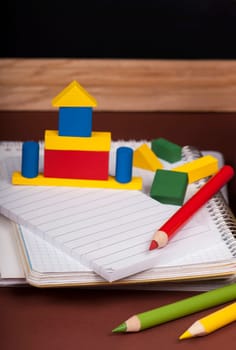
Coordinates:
column 74, row 155
column 74, row 151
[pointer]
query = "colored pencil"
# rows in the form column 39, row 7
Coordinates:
column 178, row 309
column 211, row 323
column 211, row 187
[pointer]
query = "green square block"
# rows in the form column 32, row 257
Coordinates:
column 166, row 150
column 169, row 187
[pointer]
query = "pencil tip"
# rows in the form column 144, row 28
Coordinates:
column 185, row 335
column 121, row 328
column 153, row 245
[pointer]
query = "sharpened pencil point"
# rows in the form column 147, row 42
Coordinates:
column 185, row 335
column 153, row 245
column 121, row 328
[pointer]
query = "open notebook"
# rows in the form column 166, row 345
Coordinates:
column 109, row 231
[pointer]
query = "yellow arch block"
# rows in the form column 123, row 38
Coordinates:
column 74, row 95
column 99, row 141
column 41, row 180
column 145, row 158
column 199, row 168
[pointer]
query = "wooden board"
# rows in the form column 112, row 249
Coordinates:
column 121, row 85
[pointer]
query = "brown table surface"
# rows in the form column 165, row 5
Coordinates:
column 74, row 318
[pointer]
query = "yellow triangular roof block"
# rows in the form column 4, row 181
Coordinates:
column 74, row 95
column 145, row 158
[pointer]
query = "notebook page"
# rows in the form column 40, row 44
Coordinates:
column 107, row 230
column 43, row 257
column 9, row 259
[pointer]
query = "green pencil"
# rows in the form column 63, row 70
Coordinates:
column 178, row 309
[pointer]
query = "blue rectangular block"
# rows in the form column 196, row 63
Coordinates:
column 75, row 121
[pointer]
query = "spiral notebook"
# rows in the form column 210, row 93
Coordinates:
column 111, row 244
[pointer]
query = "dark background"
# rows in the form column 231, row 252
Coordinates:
column 165, row 29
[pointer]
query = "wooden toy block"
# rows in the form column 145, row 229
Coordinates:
column 41, row 180
column 75, row 121
column 145, row 158
column 169, row 187
column 99, row 141
column 199, row 168
column 124, row 164
column 74, row 95
column 166, row 150
column 76, row 164
column 30, row 159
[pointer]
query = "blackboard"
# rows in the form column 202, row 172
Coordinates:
column 164, row 29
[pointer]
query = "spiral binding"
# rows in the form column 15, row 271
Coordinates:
column 218, row 208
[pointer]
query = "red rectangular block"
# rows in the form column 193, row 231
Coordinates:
column 89, row 165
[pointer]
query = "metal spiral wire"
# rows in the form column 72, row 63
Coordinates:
column 219, row 210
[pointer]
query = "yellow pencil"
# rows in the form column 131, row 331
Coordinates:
column 211, row 323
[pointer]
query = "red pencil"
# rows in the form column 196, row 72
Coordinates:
column 211, row 187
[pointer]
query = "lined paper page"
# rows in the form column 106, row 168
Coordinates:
column 107, row 230
column 50, row 266
column 43, row 257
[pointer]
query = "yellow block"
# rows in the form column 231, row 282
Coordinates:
column 99, row 141
column 199, row 168
column 40, row 180
column 145, row 158
column 74, row 95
